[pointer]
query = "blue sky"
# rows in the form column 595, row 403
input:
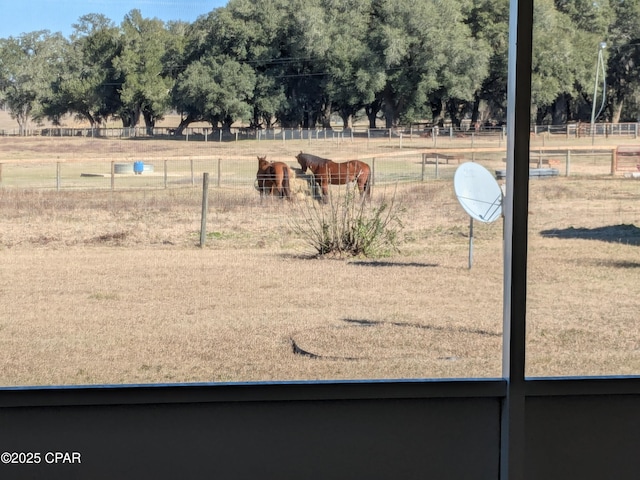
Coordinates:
column 21, row 16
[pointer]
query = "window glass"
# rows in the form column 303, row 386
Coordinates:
column 584, row 216
column 119, row 266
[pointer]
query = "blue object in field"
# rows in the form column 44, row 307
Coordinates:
column 138, row 167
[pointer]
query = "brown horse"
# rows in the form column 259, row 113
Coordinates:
column 273, row 178
column 327, row 172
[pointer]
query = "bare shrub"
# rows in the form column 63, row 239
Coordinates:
column 349, row 226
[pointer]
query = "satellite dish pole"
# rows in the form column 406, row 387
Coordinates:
column 599, row 66
column 470, row 242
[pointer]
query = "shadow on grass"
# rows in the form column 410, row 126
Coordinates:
column 365, row 323
column 382, row 263
column 623, row 234
column 439, row 328
column 626, row 264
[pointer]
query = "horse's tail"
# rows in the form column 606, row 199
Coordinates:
column 367, row 184
column 286, row 186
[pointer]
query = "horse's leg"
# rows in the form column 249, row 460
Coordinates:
column 325, row 190
column 286, row 186
column 279, row 184
column 365, row 189
column 263, row 189
column 272, row 179
column 315, row 183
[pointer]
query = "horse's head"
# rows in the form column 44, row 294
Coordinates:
column 263, row 163
column 302, row 161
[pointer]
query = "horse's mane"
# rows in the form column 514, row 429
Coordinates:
column 312, row 159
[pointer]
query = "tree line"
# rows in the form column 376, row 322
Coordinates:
column 298, row 62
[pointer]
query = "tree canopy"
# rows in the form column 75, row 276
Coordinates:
column 305, row 63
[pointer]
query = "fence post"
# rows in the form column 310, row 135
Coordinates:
column 437, row 165
column 57, row 176
column 568, row 165
column 193, row 180
column 113, row 175
column 205, row 205
column 614, row 161
column 165, row 173
column 424, row 160
column 219, row 172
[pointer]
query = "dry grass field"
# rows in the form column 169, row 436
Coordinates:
column 101, row 286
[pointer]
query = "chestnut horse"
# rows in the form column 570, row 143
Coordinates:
column 273, row 178
column 327, row 172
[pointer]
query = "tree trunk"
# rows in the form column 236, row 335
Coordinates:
column 372, row 112
column 130, row 118
column 324, row 116
column 475, row 114
column 391, row 109
column 149, row 122
column 226, row 125
column 617, row 111
column 455, row 111
column 437, row 109
column 22, row 117
column 560, row 111
column 184, row 123
column 92, row 121
column 347, row 119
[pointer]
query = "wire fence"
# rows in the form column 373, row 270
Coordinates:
column 435, row 132
column 239, row 171
column 234, row 172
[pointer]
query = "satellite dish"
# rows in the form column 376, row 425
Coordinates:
column 478, row 192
